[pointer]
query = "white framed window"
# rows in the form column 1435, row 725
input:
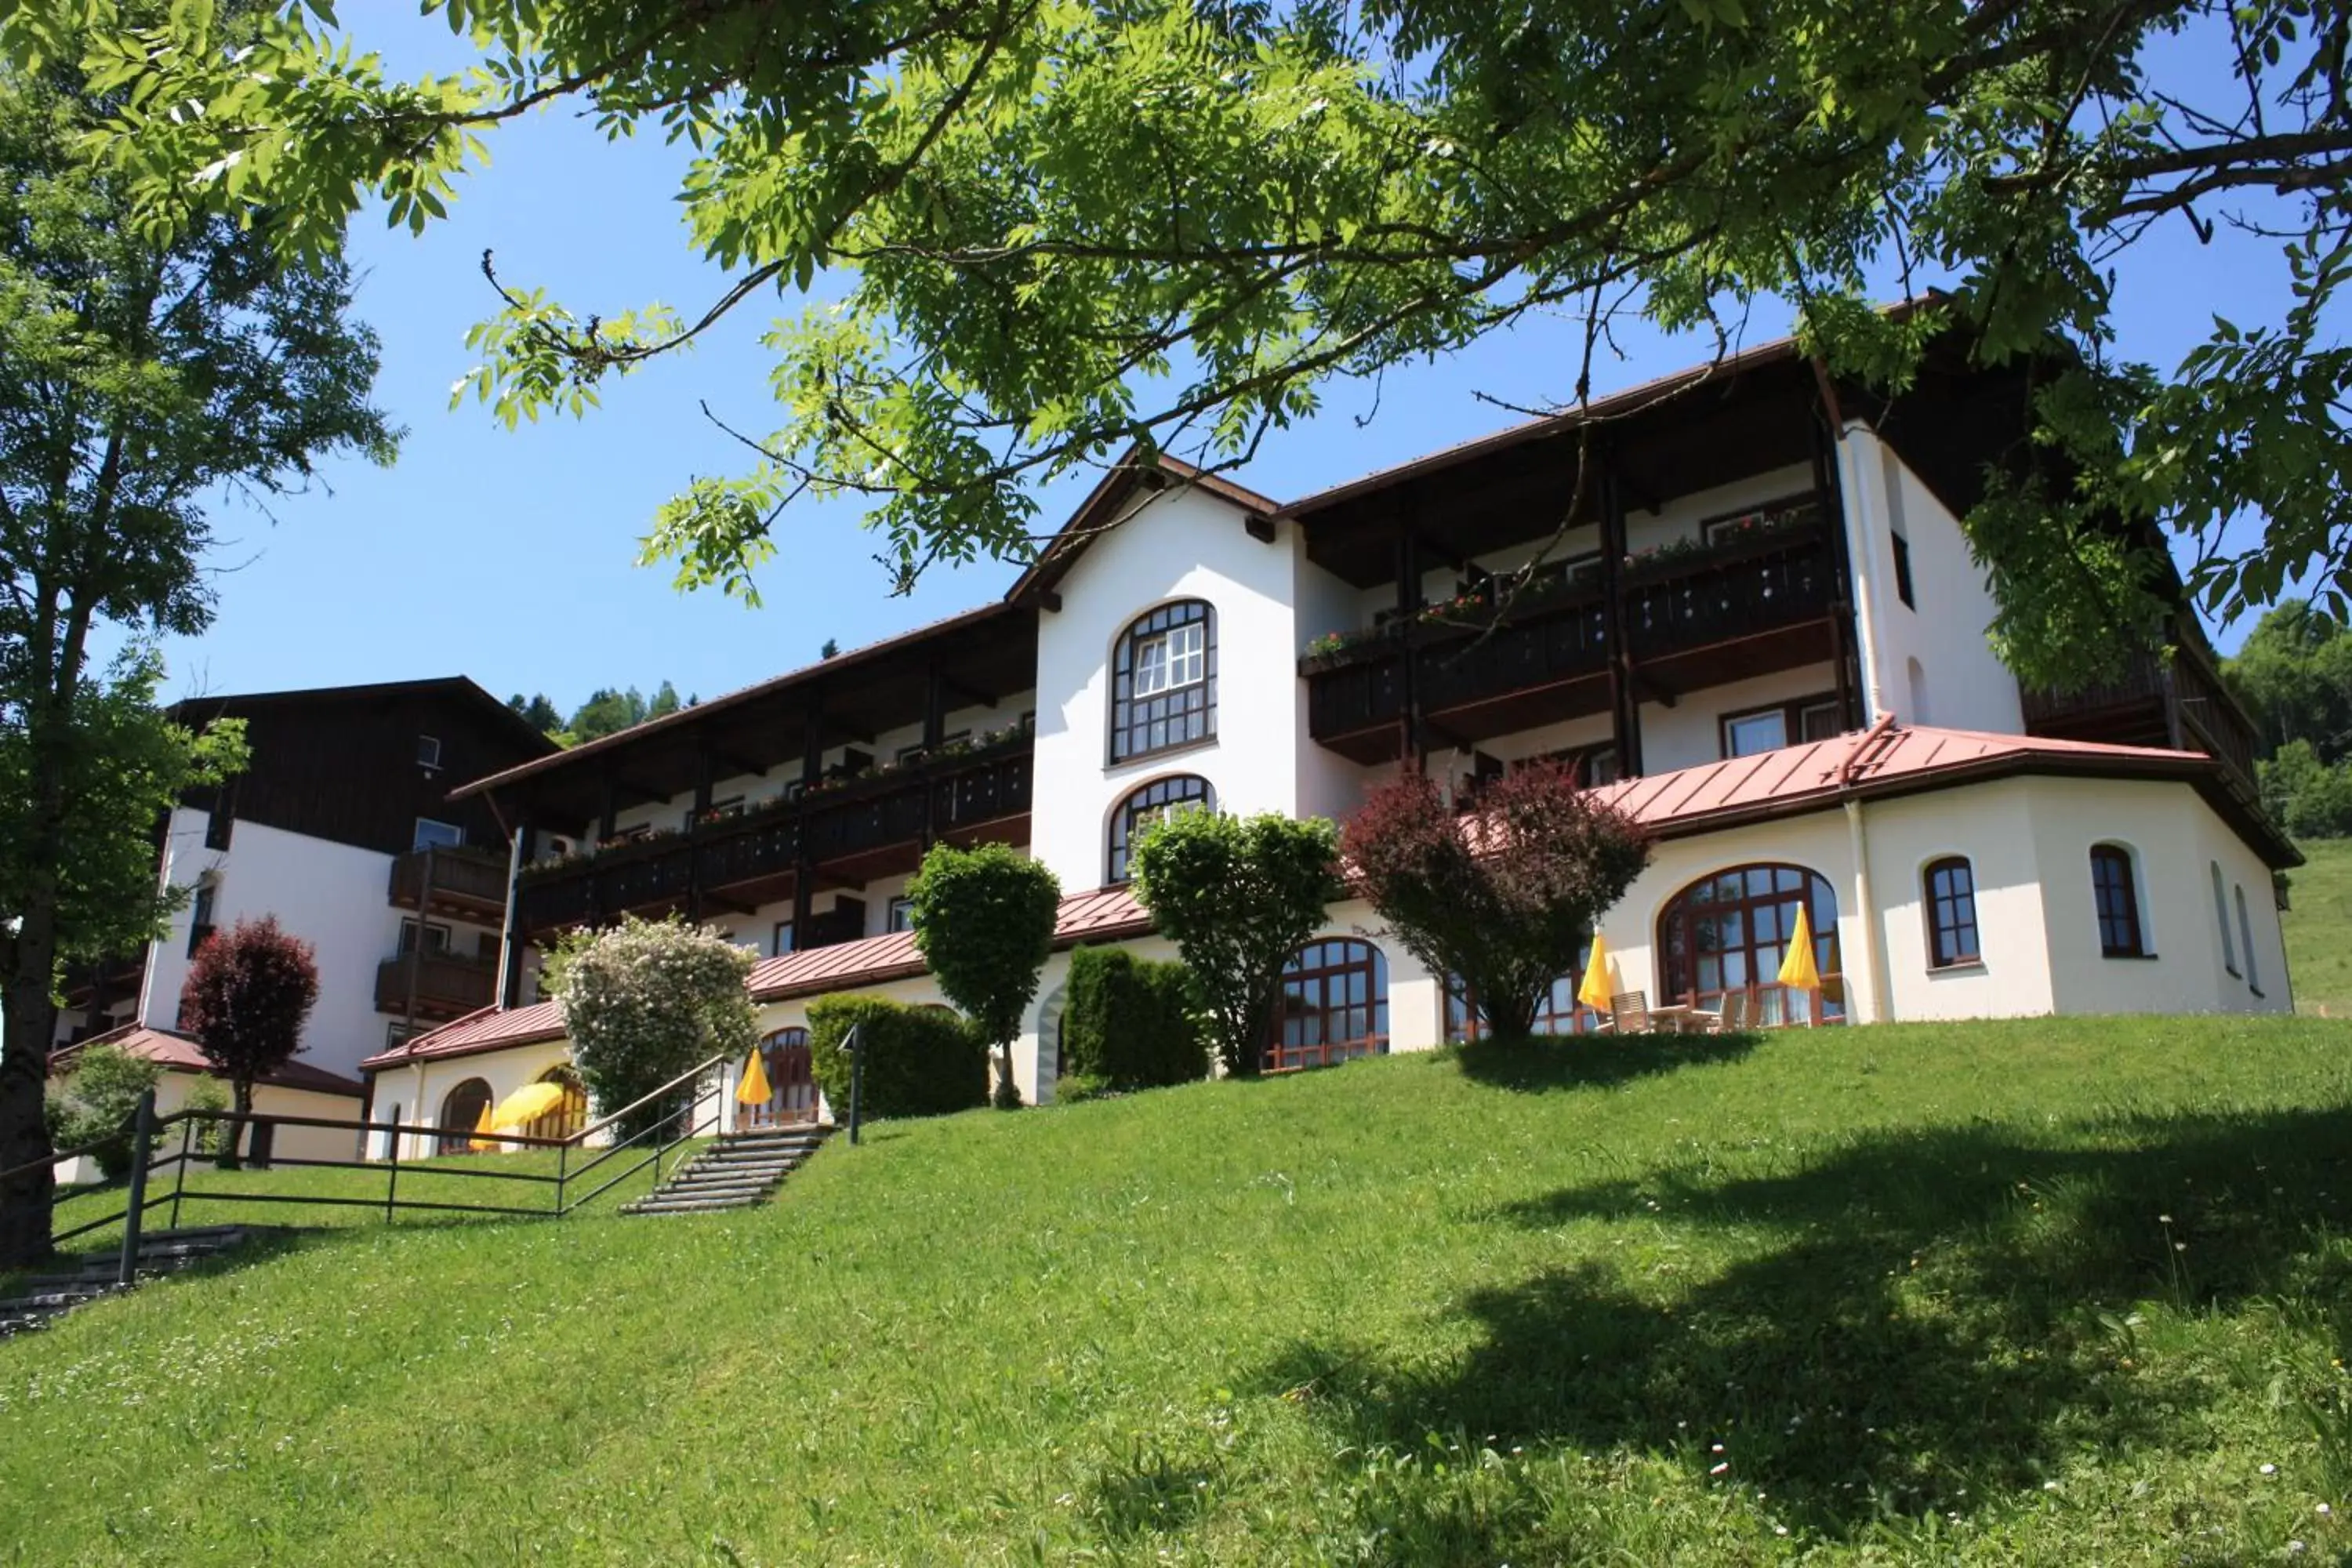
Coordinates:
column 1750, row 733
column 432, row 835
column 902, row 913
column 436, row 937
column 779, row 940
column 1176, row 658
column 428, row 750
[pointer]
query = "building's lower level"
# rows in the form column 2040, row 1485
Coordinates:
column 1946, row 874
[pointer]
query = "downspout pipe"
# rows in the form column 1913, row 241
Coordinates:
column 1872, row 1008
column 1863, row 502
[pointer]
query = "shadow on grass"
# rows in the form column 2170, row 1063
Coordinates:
column 1943, row 1318
column 1546, row 1063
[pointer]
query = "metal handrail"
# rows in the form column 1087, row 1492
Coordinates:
column 671, row 1130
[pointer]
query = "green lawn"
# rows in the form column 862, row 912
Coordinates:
column 2319, row 929
column 2041, row 1292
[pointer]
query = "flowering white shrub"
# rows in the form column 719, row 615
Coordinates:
column 646, row 1000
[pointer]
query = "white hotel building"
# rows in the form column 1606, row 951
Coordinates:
column 1760, row 627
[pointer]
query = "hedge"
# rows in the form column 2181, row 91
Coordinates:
column 1131, row 1023
column 919, row 1061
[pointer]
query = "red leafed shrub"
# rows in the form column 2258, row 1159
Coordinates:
column 1504, row 896
column 248, row 993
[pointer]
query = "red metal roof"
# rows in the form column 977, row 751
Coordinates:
column 1103, row 914
column 485, row 1029
column 178, row 1053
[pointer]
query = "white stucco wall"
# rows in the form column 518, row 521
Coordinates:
column 332, row 894
column 174, row 1090
column 1931, row 662
column 1183, row 544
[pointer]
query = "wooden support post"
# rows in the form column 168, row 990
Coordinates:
column 511, row 974
column 1624, row 700
column 1414, row 743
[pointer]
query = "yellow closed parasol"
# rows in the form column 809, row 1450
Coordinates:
column 482, row 1131
column 1798, row 970
column 1599, row 984
column 754, row 1089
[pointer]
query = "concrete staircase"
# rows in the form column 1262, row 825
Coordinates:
column 47, row 1295
column 740, row 1170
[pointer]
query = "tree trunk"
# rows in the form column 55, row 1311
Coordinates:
column 241, row 1100
column 30, row 1024
column 1008, row 1092
column 1510, row 1017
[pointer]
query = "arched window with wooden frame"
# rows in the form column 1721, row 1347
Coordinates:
column 1333, row 1007
column 2115, row 893
column 1729, row 932
column 792, row 1081
column 1163, row 691
column 1146, row 805
column 568, row 1115
column 1952, row 939
column 1559, row 1013
column 461, row 1113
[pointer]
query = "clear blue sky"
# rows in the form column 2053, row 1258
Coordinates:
column 508, row 557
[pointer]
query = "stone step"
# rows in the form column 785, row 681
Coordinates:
column 744, row 1170
column 716, row 1189
column 764, row 1151
column 688, row 1205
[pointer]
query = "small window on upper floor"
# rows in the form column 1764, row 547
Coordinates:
column 1786, row 723
column 1164, row 681
column 1903, row 571
column 902, row 913
column 428, row 750
column 2114, row 891
column 200, row 914
column 432, row 835
column 220, row 826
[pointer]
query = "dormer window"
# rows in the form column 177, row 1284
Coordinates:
column 1164, row 681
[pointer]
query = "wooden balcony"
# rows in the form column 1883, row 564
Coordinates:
column 1700, row 619
column 2151, row 704
column 468, row 884
column 446, row 986
column 845, row 835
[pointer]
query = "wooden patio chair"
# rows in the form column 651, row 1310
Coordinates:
column 1628, row 1012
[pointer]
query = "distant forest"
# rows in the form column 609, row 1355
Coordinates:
column 606, row 712
column 2296, row 674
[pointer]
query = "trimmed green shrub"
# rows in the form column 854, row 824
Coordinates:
column 1131, row 1022
column 101, row 1096
column 984, row 922
column 919, row 1061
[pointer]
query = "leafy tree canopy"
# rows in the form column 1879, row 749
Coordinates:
column 644, row 1001
column 1505, row 896
column 248, row 993
column 2295, row 672
column 1060, row 228
column 147, row 371
column 1237, row 896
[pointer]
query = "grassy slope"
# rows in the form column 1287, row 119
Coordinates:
column 2047, row 1291
column 2319, row 929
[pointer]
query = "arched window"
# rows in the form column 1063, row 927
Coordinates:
column 792, row 1081
column 1334, row 1005
column 2115, row 893
column 2221, row 919
column 1951, row 914
column 2246, row 940
column 461, row 1112
column 1163, row 691
column 1730, row 932
column 1559, row 1013
column 1148, row 805
column 569, row 1114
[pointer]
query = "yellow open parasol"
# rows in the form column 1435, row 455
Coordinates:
column 526, row 1105
column 754, row 1089
column 1599, row 981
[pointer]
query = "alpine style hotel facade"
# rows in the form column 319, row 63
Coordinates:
column 1762, row 632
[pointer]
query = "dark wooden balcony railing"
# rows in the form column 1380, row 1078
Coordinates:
column 1673, row 607
column 447, row 985
column 2147, row 705
column 862, row 816
column 467, row 879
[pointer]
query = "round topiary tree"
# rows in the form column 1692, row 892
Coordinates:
column 644, row 1001
column 1237, row 896
column 1504, row 896
column 247, row 995
column 984, row 922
